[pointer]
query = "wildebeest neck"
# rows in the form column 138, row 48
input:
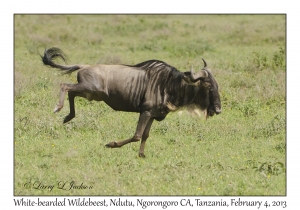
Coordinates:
column 166, row 84
column 184, row 95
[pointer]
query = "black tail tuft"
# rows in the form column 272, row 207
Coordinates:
column 52, row 53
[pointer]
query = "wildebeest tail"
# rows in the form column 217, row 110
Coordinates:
column 51, row 54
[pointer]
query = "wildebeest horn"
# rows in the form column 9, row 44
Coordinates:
column 205, row 64
column 199, row 74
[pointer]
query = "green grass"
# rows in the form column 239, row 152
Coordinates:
column 240, row 152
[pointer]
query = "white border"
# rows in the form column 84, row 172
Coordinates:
column 8, row 9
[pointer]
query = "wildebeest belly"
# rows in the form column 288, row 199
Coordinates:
column 123, row 104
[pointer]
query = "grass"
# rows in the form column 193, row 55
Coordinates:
column 240, row 152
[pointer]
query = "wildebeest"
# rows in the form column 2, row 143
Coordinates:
column 152, row 88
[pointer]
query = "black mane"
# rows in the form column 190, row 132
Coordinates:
column 163, row 78
column 153, row 64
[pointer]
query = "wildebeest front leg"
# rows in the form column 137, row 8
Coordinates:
column 142, row 123
column 144, row 138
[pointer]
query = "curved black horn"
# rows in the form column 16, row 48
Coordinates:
column 205, row 64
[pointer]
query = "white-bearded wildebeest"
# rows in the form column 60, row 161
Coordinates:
column 151, row 88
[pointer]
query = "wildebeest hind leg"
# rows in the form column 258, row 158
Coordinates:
column 71, row 96
column 143, row 121
column 62, row 95
column 73, row 90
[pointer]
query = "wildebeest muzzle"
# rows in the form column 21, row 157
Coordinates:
column 214, row 110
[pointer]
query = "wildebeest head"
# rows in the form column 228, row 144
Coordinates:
column 205, row 80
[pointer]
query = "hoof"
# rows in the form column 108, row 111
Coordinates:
column 112, row 144
column 57, row 109
column 68, row 118
column 142, row 155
